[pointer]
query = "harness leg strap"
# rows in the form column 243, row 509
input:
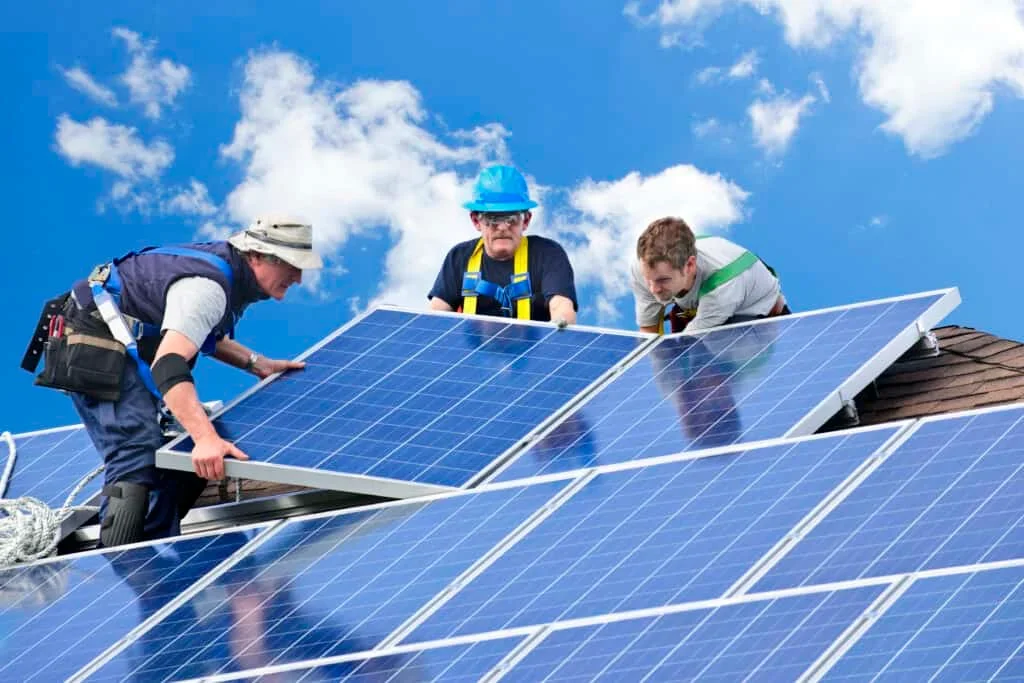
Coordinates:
column 125, row 518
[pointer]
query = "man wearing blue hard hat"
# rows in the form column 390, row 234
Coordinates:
column 504, row 273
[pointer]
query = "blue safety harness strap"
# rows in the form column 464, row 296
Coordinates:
column 107, row 296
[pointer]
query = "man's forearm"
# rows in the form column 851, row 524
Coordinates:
column 233, row 353
column 183, row 402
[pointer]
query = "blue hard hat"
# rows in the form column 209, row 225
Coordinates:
column 500, row 188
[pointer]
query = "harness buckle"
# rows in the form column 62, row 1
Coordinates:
column 100, row 274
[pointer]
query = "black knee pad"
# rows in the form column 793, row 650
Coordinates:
column 125, row 518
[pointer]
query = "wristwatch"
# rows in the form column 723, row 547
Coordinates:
column 251, row 364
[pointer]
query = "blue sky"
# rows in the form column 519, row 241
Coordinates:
column 864, row 150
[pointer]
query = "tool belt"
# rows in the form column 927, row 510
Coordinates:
column 78, row 352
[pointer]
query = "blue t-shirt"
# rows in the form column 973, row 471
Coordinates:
column 548, row 265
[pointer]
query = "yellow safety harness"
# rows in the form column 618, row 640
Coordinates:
column 518, row 290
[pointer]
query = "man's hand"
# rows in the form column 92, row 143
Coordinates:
column 265, row 367
column 208, row 456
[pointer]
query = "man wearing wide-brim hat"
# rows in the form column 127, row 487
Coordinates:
column 504, row 272
column 171, row 302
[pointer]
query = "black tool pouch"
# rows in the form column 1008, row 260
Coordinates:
column 86, row 362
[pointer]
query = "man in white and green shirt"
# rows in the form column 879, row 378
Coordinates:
column 710, row 280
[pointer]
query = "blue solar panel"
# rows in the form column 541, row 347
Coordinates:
column 653, row 536
column 769, row 640
column 50, row 464
column 328, row 586
column 55, row 617
column 951, row 495
column 964, row 627
column 418, row 397
column 735, row 385
column 455, row 663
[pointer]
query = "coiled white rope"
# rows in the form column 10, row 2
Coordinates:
column 29, row 529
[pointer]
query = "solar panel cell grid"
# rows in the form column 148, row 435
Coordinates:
column 738, row 384
column 419, row 398
column 328, row 586
column 950, row 495
column 770, row 640
column 653, row 536
column 963, row 627
column 50, row 464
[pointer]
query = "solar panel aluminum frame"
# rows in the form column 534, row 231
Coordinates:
column 363, row 484
column 76, row 518
column 831, row 404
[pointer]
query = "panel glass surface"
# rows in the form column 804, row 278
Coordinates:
column 770, row 640
column 328, row 586
column 966, row 627
column 56, row 617
column 653, row 536
column 417, row 397
column 50, row 464
column 456, row 663
column 734, row 385
column 951, row 495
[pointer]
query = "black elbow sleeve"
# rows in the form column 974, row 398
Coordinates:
column 170, row 370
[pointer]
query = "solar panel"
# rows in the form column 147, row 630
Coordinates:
column 57, row 615
column 738, row 384
column 766, row 640
column 655, row 535
column 328, row 585
column 952, row 494
column 462, row 662
column 962, row 627
column 400, row 404
column 50, row 463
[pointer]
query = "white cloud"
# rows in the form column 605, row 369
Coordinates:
column 819, row 83
column 775, row 121
column 932, row 67
column 193, row 200
column 765, row 87
column 112, row 147
column 601, row 230
column 702, row 129
column 80, row 80
column 744, row 67
column 355, row 160
column 151, row 83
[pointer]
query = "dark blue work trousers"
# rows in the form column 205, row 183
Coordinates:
column 127, row 434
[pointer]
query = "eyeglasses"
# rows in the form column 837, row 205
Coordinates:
column 495, row 220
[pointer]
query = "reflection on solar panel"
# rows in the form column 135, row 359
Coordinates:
column 50, row 463
column 468, row 662
column 767, row 640
column 744, row 383
column 58, row 615
column 656, row 535
column 326, row 586
column 401, row 404
column 963, row 627
column 952, row 494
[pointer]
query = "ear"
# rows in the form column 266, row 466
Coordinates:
column 476, row 222
column 527, row 216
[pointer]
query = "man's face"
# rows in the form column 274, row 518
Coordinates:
column 502, row 232
column 665, row 282
column 273, row 275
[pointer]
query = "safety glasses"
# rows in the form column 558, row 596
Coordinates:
column 497, row 220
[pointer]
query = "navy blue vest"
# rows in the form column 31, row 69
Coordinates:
column 145, row 279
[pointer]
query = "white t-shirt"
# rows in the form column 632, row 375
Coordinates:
column 193, row 307
column 752, row 292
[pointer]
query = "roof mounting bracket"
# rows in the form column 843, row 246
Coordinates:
column 847, row 415
column 927, row 346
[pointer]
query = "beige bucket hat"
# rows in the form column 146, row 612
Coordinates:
column 289, row 239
